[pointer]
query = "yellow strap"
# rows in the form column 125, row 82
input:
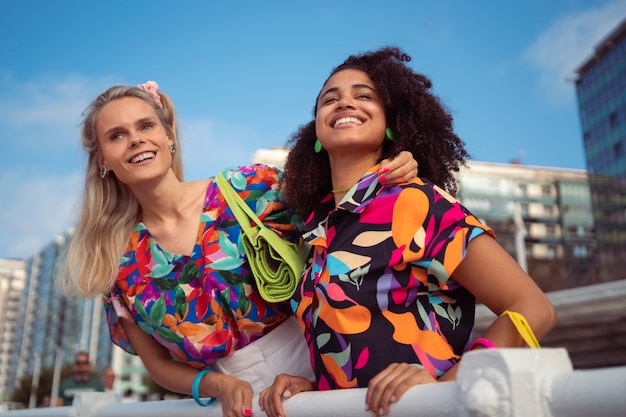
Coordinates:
column 522, row 327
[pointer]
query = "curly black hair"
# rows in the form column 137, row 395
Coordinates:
column 419, row 122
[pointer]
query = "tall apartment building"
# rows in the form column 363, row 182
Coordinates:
column 542, row 216
column 49, row 324
column 601, row 92
column 12, row 276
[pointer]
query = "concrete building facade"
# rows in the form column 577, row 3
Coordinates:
column 12, row 277
column 542, row 216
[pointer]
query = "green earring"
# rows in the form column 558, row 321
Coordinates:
column 389, row 134
column 317, row 146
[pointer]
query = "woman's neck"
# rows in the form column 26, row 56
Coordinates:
column 347, row 170
column 163, row 199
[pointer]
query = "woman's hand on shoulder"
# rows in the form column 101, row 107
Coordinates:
column 284, row 386
column 391, row 383
column 401, row 168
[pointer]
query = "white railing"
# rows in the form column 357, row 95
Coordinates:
column 490, row 383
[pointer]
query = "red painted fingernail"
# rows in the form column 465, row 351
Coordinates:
column 383, row 178
column 247, row 412
column 386, row 170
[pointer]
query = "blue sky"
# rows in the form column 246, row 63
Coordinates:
column 244, row 75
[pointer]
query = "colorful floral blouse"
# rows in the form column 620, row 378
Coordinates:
column 204, row 306
column 379, row 289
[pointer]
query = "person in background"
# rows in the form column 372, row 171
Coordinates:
column 387, row 300
column 83, row 380
column 108, row 379
column 167, row 255
column 45, row 401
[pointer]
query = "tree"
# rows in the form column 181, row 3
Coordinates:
column 22, row 393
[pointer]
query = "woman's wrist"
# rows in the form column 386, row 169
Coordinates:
column 482, row 343
column 195, row 389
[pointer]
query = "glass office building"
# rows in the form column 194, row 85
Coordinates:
column 601, row 92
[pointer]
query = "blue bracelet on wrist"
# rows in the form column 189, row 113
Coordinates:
column 195, row 388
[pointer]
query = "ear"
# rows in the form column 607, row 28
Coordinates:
column 99, row 159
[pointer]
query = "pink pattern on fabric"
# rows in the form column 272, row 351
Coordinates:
column 121, row 310
column 380, row 211
column 364, row 357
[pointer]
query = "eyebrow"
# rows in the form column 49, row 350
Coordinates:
column 354, row 87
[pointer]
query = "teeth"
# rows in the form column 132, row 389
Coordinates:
column 345, row 120
column 142, row 157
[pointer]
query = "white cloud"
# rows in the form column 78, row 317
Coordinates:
column 564, row 46
column 210, row 146
column 33, row 211
column 47, row 100
column 41, row 172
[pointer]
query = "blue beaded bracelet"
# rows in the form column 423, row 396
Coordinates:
column 196, row 387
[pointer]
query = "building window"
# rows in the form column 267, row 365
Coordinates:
column 580, row 252
column 613, row 120
column 524, row 209
column 618, row 149
column 547, row 209
column 546, row 190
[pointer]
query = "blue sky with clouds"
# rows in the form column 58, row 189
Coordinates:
column 244, row 75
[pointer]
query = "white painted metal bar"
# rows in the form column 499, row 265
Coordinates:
column 490, row 383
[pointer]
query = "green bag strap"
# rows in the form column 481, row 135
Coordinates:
column 240, row 209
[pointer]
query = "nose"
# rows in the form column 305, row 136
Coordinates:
column 345, row 102
column 135, row 139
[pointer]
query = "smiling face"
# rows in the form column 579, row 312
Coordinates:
column 132, row 142
column 350, row 114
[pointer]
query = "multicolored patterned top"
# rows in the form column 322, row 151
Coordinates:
column 379, row 289
column 204, row 306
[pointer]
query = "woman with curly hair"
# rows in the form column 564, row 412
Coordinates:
column 387, row 299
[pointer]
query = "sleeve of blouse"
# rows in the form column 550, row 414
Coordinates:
column 116, row 309
column 258, row 185
column 448, row 228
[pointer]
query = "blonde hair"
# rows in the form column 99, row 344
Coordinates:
column 109, row 209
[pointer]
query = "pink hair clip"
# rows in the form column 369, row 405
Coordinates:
column 152, row 87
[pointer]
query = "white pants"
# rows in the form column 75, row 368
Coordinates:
column 283, row 350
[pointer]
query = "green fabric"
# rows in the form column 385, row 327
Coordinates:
column 69, row 387
column 275, row 263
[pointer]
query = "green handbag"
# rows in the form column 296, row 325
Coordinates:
column 276, row 263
